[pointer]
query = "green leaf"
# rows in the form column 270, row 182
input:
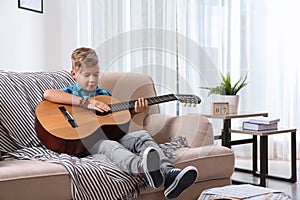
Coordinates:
column 226, row 87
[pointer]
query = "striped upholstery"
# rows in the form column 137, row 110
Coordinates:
column 92, row 177
column 19, row 95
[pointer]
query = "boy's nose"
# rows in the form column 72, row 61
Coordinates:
column 92, row 79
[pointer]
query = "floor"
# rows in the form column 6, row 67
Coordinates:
column 278, row 168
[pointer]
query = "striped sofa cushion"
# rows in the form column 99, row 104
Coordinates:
column 19, row 95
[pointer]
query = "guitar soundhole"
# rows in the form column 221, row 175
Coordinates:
column 100, row 113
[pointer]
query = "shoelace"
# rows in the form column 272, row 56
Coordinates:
column 175, row 169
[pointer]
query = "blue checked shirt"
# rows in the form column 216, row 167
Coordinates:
column 77, row 90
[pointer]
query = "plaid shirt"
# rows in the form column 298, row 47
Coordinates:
column 77, row 90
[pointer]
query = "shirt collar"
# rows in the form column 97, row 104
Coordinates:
column 82, row 92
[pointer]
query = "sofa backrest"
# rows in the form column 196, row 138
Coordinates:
column 19, row 95
column 130, row 86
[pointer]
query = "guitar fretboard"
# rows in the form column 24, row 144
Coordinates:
column 151, row 101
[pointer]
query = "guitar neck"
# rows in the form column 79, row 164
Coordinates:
column 128, row 105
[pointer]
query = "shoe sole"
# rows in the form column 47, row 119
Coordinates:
column 152, row 167
column 182, row 181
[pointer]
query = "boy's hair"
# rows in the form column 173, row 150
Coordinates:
column 83, row 57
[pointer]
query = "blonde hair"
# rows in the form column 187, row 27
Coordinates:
column 83, row 57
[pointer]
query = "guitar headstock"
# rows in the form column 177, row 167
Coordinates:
column 188, row 99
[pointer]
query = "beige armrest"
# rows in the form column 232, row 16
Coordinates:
column 195, row 128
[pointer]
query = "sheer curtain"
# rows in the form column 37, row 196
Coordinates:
column 138, row 36
column 281, row 61
column 254, row 37
column 184, row 44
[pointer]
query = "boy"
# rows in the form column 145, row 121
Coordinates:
column 136, row 153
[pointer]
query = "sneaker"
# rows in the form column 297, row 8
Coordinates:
column 178, row 180
column 150, row 167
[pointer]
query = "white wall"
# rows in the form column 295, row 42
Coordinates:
column 32, row 41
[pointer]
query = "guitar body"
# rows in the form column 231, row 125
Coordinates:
column 57, row 134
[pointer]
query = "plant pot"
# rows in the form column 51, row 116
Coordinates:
column 233, row 101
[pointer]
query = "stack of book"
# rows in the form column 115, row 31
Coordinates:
column 261, row 124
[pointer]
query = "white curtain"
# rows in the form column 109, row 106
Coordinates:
column 138, row 36
column 183, row 44
column 267, row 49
column 281, row 63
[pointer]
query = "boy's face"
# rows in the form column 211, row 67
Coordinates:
column 87, row 77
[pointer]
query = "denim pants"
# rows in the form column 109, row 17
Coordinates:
column 128, row 151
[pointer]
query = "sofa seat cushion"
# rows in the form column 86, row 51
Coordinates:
column 29, row 179
column 207, row 159
column 22, row 169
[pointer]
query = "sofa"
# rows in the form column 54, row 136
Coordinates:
column 30, row 178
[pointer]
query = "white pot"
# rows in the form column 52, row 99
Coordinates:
column 233, row 101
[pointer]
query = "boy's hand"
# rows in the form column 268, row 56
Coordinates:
column 140, row 105
column 98, row 105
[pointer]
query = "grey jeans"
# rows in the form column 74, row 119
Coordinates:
column 128, row 151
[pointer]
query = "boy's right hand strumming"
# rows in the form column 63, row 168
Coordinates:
column 97, row 105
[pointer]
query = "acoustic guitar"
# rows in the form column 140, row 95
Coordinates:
column 71, row 129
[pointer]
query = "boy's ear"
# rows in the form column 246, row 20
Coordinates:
column 73, row 73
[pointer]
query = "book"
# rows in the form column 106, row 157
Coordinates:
column 264, row 120
column 248, row 125
column 243, row 191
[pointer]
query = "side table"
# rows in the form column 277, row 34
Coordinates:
column 226, row 136
column 263, row 173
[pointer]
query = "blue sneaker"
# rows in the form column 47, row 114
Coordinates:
column 150, row 168
column 178, row 180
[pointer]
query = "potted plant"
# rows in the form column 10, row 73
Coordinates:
column 229, row 90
